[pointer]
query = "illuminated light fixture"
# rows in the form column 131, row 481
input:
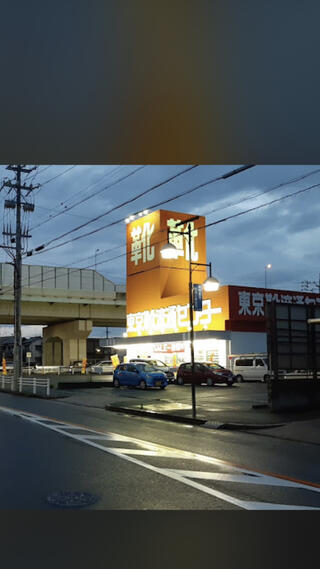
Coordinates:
column 269, row 266
column 169, row 251
column 131, row 217
column 125, row 335
column 140, row 214
column 127, row 220
column 211, row 284
column 145, row 212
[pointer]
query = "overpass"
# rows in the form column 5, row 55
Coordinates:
column 68, row 301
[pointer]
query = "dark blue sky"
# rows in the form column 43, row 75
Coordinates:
column 285, row 234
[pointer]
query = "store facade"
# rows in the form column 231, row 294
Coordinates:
column 230, row 321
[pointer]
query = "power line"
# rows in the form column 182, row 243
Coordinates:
column 55, row 177
column 262, row 205
column 202, row 227
column 291, row 181
column 199, row 186
column 141, row 194
column 68, row 208
column 88, row 198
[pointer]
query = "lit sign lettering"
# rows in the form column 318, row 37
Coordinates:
column 141, row 248
column 169, row 319
column 252, row 303
column 180, row 243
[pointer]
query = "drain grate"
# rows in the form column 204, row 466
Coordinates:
column 68, row 499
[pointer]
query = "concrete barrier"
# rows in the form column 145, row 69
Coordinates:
column 293, row 394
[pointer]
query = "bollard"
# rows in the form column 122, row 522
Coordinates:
column 34, row 386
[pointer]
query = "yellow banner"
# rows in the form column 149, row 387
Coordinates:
column 84, row 365
column 115, row 360
column 4, row 366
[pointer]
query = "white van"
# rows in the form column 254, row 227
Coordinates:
column 250, row 367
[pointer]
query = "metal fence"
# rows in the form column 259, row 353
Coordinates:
column 34, row 383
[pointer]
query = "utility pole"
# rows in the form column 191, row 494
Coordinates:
column 15, row 237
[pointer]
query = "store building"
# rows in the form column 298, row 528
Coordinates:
column 232, row 319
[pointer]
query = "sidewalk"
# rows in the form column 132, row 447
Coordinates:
column 219, row 413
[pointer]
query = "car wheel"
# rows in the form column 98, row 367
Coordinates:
column 143, row 384
column 209, row 382
column 230, row 382
column 239, row 378
column 265, row 378
column 162, row 386
column 116, row 382
column 179, row 380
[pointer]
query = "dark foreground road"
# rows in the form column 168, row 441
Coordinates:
column 137, row 463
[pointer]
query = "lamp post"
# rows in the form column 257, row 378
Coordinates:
column 95, row 259
column 268, row 266
column 169, row 251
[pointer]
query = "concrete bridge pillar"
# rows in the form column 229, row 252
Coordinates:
column 65, row 342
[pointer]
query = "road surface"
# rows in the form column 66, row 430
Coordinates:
column 137, row 463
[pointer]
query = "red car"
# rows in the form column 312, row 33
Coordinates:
column 205, row 372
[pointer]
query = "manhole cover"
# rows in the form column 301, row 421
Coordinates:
column 71, row 499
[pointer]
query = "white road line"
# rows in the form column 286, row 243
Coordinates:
column 257, row 479
column 159, row 450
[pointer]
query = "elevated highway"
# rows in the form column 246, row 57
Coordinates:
column 68, row 301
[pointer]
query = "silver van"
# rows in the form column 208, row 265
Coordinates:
column 250, row 368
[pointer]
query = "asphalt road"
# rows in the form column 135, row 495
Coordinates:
column 137, row 463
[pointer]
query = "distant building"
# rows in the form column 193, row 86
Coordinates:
column 32, row 345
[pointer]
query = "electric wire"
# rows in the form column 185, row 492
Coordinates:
column 68, row 208
column 298, row 192
column 88, row 198
column 126, row 202
column 131, row 200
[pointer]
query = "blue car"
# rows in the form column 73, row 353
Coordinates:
column 139, row 375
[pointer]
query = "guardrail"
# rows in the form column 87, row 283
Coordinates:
column 4, row 380
column 34, row 382
column 51, row 369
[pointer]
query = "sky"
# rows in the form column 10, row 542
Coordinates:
column 285, row 234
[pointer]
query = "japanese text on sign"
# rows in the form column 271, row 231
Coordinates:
column 180, row 242
column 141, row 248
column 171, row 318
column 252, row 303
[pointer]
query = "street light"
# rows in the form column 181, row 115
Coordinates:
column 170, row 251
column 95, row 259
column 268, row 266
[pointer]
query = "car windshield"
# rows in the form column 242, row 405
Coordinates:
column 214, row 366
column 146, row 367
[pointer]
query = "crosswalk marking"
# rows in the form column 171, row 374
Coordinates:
column 236, row 474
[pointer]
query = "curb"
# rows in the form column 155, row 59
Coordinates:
column 154, row 415
column 188, row 420
column 240, row 426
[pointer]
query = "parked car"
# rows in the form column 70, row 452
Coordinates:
column 204, row 372
column 102, row 367
column 251, row 368
column 75, row 367
column 158, row 364
column 141, row 375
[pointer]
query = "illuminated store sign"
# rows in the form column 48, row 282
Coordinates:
column 141, row 248
column 252, row 303
column 180, row 242
column 168, row 348
column 170, row 319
